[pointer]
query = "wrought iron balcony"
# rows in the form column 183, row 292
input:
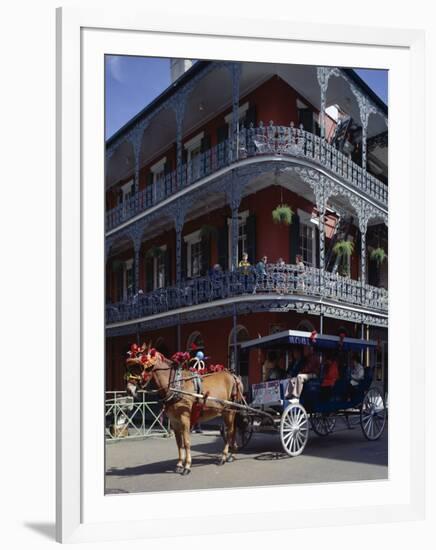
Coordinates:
column 285, row 141
column 283, row 281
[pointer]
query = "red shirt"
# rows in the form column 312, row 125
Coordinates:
column 331, row 374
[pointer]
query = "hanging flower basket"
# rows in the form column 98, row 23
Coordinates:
column 378, row 255
column 208, row 231
column 344, row 250
column 282, row 214
column 154, row 252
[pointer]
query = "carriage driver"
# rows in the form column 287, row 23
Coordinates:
column 310, row 369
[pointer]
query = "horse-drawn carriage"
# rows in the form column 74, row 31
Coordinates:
column 189, row 396
column 270, row 409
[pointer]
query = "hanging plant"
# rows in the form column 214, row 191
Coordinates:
column 378, row 255
column 154, row 252
column 208, row 231
column 117, row 265
column 283, row 214
column 344, row 250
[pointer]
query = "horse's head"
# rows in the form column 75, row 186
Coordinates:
column 140, row 365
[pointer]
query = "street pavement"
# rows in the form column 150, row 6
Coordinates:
column 134, row 466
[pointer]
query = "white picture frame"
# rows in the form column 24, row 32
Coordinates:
column 83, row 37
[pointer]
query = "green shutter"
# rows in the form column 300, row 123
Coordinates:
column 250, row 117
column 168, row 275
column 184, row 259
column 223, row 246
column 222, row 133
column 149, row 274
column 205, row 255
column 205, row 150
column 305, row 117
column 294, row 238
column 251, row 238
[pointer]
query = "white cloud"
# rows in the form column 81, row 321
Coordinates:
column 115, row 66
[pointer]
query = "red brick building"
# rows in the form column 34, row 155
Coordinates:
column 191, row 183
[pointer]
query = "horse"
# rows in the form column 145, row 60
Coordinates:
column 185, row 410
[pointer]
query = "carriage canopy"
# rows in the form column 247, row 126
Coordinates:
column 288, row 338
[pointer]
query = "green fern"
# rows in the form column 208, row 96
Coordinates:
column 344, row 249
column 283, row 214
column 154, row 252
column 378, row 255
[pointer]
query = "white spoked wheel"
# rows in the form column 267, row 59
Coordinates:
column 322, row 424
column 294, row 429
column 373, row 415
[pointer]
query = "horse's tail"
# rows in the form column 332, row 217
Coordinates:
column 238, row 389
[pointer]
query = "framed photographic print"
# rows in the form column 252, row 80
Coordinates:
column 231, row 210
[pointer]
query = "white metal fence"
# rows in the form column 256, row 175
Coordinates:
column 129, row 418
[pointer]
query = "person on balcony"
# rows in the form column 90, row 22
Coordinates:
column 244, row 264
column 310, row 370
column 299, row 277
column 280, row 276
column 216, row 278
column 261, row 273
column 244, row 269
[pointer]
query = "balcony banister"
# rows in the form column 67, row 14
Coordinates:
column 283, row 280
column 254, row 142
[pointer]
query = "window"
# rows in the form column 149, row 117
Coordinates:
column 241, row 119
column 127, row 190
column 307, row 239
column 238, row 358
column 194, row 254
column 159, row 268
column 242, row 235
column 128, row 279
column 193, row 149
column 158, row 171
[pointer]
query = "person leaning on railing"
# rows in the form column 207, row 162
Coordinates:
column 244, row 268
column 261, row 274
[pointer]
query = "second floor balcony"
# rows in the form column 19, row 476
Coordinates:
column 285, row 142
column 281, row 282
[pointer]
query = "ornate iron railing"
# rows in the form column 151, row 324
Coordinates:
column 285, row 280
column 129, row 418
column 252, row 142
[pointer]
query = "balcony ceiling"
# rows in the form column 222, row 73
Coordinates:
column 213, row 95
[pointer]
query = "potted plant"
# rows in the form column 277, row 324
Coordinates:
column 154, row 252
column 282, row 214
column 344, row 250
column 208, row 231
column 378, row 255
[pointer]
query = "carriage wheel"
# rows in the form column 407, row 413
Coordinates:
column 244, row 432
column 322, row 424
column 294, row 429
column 373, row 415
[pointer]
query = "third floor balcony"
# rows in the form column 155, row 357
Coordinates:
column 253, row 144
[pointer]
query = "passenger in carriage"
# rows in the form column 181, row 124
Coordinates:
column 357, row 374
column 330, row 375
column 296, row 363
column 310, row 370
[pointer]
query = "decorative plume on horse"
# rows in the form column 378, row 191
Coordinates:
column 190, row 392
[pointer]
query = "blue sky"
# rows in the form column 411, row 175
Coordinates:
column 133, row 82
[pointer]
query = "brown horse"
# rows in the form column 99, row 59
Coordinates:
column 182, row 409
